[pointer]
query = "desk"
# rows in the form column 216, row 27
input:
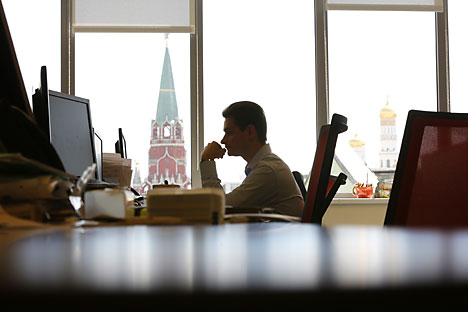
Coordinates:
column 229, row 266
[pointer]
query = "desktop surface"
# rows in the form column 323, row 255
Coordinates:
column 277, row 262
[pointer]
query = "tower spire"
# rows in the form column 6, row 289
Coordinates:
column 167, row 102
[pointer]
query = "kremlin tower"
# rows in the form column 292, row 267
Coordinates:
column 167, row 154
column 388, row 154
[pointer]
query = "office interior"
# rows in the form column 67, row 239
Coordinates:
column 195, row 37
column 319, row 105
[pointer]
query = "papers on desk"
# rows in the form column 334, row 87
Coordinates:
column 117, row 169
column 34, row 191
column 40, row 187
column 22, row 178
column 8, row 221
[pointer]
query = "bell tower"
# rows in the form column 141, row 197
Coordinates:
column 388, row 154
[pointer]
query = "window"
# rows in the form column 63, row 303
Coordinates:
column 458, row 50
column 121, row 74
column 261, row 51
column 36, row 36
column 380, row 65
column 167, row 131
column 133, row 62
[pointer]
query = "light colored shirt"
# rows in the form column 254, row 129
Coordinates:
column 269, row 183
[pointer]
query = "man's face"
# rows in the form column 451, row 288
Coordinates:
column 235, row 140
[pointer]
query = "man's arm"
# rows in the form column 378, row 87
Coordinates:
column 209, row 176
column 208, row 172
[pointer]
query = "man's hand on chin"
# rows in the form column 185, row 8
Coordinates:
column 212, row 151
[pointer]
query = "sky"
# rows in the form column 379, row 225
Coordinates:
column 261, row 51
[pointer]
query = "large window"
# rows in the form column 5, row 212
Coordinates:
column 121, row 75
column 381, row 64
column 261, row 51
column 133, row 63
column 373, row 66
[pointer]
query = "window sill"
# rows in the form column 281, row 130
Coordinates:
column 360, row 201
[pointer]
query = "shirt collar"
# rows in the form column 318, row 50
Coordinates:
column 261, row 153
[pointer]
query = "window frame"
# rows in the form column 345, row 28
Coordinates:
column 196, row 65
column 196, row 76
column 321, row 41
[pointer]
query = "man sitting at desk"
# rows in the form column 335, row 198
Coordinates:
column 269, row 181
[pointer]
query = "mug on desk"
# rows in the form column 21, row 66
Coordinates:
column 362, row 190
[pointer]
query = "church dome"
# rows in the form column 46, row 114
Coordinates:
column 355, row 142
column 387, row 112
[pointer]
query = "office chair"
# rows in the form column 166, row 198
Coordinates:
column 300, row 183
column 331, row 182
column 322, row 186
column 319, row 194
column 431, row 176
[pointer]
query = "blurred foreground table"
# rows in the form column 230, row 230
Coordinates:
column 231, row 266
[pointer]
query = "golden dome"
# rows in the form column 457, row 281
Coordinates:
column 355, row 142
column 387, row 112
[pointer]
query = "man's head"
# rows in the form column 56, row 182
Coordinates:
column 245, row 128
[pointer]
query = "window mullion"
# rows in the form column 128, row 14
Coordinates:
column 196, row 83
column 321, row 65
column 443, row 82
column 67, row 48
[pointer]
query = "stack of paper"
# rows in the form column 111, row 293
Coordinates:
column 32, row 190
column 116, row 168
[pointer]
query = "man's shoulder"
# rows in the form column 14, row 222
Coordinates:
column 271, row 157
column 271, row 160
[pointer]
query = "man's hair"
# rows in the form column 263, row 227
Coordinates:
column 246, row 113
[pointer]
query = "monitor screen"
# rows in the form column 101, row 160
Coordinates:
column 71, row 131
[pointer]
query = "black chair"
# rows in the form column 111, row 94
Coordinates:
column 300, row 183
column 431, row 176
column 322, row 186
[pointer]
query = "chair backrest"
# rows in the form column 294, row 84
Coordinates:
column 431, row 176
column 331, row 182
column 318, row 196
column 300, row 183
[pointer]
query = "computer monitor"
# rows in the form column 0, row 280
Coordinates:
column 121, row 145
column 71, row 131
column 66, row 122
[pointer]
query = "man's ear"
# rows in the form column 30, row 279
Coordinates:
column 252, row 131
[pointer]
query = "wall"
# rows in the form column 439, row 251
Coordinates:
column 356, row 211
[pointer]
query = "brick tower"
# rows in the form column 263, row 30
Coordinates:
column 167, row 163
